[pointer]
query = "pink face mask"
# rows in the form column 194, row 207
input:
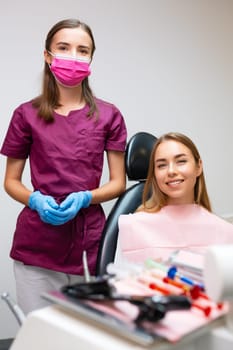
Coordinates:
column 69, row 71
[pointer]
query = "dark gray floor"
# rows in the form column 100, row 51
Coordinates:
column 5, row 344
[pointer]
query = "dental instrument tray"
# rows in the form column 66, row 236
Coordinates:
column 144, row 308
column 151, row 308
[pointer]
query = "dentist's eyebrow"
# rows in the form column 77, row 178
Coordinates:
column 84, row 47
column 62, row 43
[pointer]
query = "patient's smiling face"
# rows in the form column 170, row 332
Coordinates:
column 176, row 171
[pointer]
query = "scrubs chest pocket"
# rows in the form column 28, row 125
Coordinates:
column 95, row 142
column 95, row 145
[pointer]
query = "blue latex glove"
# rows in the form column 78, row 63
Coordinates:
column 70, row 207
column 43, row 204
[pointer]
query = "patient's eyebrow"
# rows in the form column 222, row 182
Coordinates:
column 176, row 157
column 160, row 160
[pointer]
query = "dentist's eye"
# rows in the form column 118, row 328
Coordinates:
column 84, row 52
column 62, row 48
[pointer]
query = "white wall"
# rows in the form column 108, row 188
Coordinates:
column 167, row 64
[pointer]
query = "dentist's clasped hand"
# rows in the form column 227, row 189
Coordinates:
column 55, row 214
column 42, row 203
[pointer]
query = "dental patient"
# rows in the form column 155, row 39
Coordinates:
column 176, row 212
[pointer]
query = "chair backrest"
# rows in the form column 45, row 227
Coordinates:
column 137, row 158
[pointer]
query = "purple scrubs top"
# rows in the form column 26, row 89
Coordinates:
column 65, row 156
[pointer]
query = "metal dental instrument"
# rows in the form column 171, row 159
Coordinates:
column 85, row 267
column 14, row 307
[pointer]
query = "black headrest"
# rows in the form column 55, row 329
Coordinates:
column 137, row 155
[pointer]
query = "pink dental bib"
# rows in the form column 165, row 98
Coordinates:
column 174, row 227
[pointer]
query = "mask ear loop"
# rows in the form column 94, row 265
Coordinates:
column 49, row 52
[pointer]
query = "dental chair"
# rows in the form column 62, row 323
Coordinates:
column 137, row 156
